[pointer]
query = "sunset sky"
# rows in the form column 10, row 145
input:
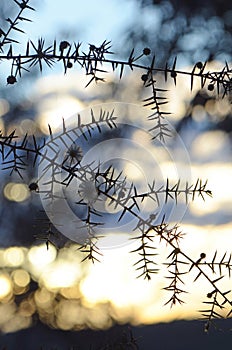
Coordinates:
column 72, row 295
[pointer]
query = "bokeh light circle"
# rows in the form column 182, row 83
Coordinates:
column 90, row 143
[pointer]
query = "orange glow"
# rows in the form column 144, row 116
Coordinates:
column 108, row 289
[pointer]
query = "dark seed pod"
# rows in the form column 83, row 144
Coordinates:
column 63, row 45
column 146, row 51
column 33, row 187
column 144, row 77
column 11, row 80
column 210, row 87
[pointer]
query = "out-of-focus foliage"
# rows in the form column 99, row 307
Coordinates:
column 192, row 29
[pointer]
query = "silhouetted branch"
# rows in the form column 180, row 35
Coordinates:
column 97, row 183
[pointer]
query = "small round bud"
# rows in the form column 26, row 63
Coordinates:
column 209, row 295
column 33, row 187
column 173, row 74
column 11, row 80
column 199, row 65
column 146, row 51
column 177, row 251
column 122, row 193
column 23, row 5
column 203, row 255
column 63, row 45
column 152, row 216
column 210, row 87
column 69, row 65
column 144, row 77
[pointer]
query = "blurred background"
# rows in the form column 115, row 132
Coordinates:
column 48, row 295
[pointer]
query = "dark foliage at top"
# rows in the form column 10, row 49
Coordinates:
column 190, row 29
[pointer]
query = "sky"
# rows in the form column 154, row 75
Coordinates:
column 92, row 21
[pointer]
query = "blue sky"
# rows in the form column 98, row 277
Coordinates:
column 88, row 22
column 92, row 20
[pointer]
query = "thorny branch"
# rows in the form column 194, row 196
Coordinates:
column 105, row 183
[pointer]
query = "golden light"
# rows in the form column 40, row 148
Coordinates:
column 60, row 274
column 99, row 317
column 223, row 107
column 7, row 312
column 142, row 137
column 71, row 292
column 16, row 323
column 139, row 301
column 110, row 289
column 14, row 256
column 218, row 109
column 5, row 286
column 2, row 259
column 199, row 113
column 43, row 298
column 169, row 170
column 27, row 307
column 27, row 126
column 205, row 144
column 69, row 313
column 16, row 192
column 52, row 111
column 21, row 278
column 40, row 257
column 210, row 107
column 115, row 280
column 133, row 172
